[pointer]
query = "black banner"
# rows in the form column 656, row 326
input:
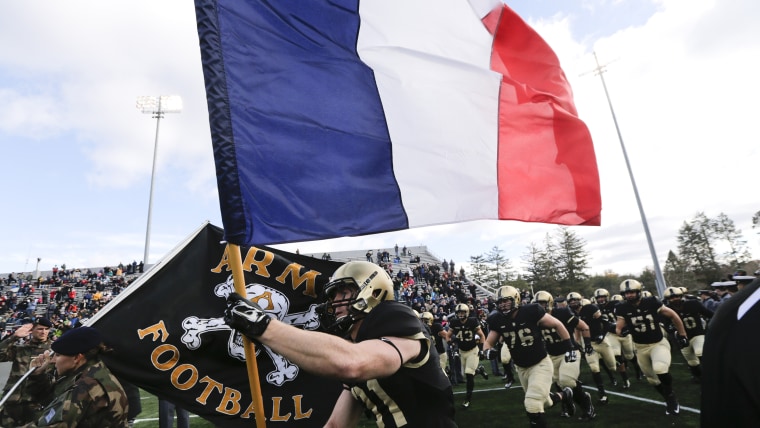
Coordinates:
column 170, row 339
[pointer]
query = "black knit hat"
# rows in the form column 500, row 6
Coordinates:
column 77, row 341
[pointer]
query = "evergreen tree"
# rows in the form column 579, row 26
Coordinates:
column 677, row 273
column 609, row 280
column 541, row 272
column 499, row 267
column 725, row 231
column 479, row 269
column 696, row 248
column 572, row 260
column 648, row 279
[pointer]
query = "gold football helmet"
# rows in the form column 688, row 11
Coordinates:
column 507, row 295
column 427, row 318
column 545, row 299
column 462, row 311
column 364, row 285
column 673, row 292
column 631, row 285
column 574, row 300
column 601, row 296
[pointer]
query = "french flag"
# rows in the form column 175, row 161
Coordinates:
column 344, row 117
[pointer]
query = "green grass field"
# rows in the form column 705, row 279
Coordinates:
column 494, row 406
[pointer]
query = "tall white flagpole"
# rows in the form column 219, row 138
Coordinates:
column 659, row 278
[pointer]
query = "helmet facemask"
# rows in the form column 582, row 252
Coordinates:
column 507, row 294
column 675, row 301
column 359, row 286
column 545, row 299
column 462, row 311
column 427, row 318
column 602, row 296
column 630, row 289
column 506, row 305
column 674, row 297
column 632, row 295
column 328, row 311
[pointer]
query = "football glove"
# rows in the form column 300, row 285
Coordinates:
column 245, row 316
column 683, row 341
column 589, row 349
column 625, row 332
column 491, row 354
column 599, row 339
column 571, row 355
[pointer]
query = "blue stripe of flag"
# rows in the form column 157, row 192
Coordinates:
column 300, row 139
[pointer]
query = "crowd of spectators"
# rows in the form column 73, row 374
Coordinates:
column 430, row 287
column 65, row 296
column 69, row 296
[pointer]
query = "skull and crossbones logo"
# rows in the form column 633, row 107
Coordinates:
column 276, row 304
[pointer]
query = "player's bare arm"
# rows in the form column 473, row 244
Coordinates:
column 335, row 357
column 548, row 321
column 670, row 313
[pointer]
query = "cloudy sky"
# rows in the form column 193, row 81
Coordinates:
column 76, row 155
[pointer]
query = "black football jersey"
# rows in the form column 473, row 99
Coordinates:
column 608, row 312
column 464, row 332
column 418, row 394
column 521, row 333
column 642, row 320
column 551, row 336
column 692, row 312
column 597, row 326
column 439, row 346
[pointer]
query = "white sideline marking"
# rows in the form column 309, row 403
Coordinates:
column 591, row 388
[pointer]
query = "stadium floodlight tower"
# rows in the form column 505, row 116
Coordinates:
column 156, row 106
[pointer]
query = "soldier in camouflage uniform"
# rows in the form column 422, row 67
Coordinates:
column 81, row 391
column 25, row 343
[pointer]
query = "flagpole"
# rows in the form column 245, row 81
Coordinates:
column 659, row 278
column 238, row 279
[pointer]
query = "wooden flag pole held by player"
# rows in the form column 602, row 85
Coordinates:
column 238, row 279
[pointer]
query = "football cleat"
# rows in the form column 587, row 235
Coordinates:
column 567, row 401
column 508, row 384
column 482, row 371
column 626, row 384
column 589, row 412
column 671, row 405
column 564, row 414
column 604, row 400
column 613, row 381
column 466, row 404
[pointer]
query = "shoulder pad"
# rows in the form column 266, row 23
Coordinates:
column 389, row 318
